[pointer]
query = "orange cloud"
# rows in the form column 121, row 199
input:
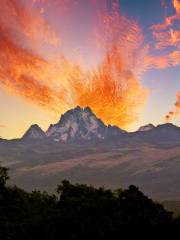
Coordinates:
column 166, row 36
column 176, row 4
column 115, row 92
column 26, row 25
column 112, row 89
column 22, row 71
column 163, row 61
column 164, row 33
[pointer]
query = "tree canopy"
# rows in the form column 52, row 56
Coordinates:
column 78, row 211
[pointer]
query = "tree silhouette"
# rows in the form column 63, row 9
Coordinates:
column 3, row 176
column 81, row 212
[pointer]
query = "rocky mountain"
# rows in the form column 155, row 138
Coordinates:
column 34, row 132
column 75, row 125
column 80, row 124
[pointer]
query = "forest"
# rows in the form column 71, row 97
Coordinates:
column 79, row 211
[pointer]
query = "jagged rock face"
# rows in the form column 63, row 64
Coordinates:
column 146, row 127
column 78, row 123
column 75, row 124
column 34, row 132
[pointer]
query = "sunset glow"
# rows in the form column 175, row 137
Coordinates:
column 40, row 65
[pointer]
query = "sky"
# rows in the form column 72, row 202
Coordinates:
column 121, row 58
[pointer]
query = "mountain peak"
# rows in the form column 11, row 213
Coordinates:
column 80, row 124
column 146, row 127
column 87, row 109
column 77, row 123
column 34, row 132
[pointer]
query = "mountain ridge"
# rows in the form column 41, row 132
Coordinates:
column 149, row 159
column 75, row 124
column 81, row 124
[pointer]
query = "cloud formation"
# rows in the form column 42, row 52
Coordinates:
column 166, row 35
column 113, row 88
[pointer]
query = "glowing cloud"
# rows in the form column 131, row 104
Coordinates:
column 176, row 4
column 112, row 89
column 166, row 36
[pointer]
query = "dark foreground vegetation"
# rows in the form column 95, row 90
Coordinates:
column 82, row 212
